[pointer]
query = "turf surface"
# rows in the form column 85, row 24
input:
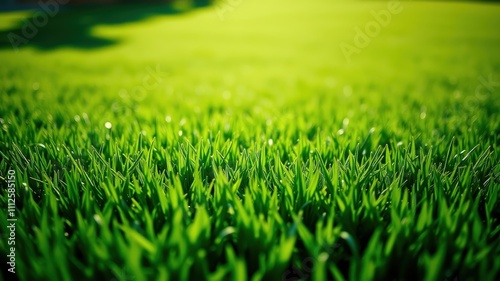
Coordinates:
column 242, row 141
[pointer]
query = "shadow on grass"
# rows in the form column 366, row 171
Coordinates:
column 53, row 28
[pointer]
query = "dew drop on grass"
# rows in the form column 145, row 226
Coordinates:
column 230, row 209
column 168, row 119
column 340, row 132
column 85, row 118
column 180, row 133
column 345, row 122
column 77, row 118
column 350, row 241
column 423, row 115
column 98, row 219
column 270, row 142
column 123, row 93
column 108, row 125
column 323, row 257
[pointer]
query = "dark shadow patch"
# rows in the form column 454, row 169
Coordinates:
column 56, row 27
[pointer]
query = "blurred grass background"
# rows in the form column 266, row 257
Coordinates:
column 257, row 54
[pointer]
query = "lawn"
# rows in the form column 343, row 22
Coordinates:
column 252, row 140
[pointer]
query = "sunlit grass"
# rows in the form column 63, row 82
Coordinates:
column 249, row 147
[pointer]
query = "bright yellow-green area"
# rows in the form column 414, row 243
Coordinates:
column 262, row 55
column 257, row 45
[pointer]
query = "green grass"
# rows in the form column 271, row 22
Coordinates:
column 256, row 150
